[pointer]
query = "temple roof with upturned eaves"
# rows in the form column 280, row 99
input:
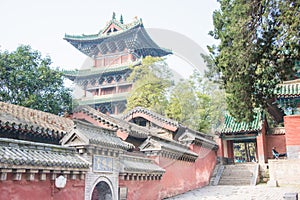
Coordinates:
column 115, row 123
column 116, row 36
column 88, row 134
column 17, row 153
column 34, row 123
column 140, row 165
column 167, row 147
column 288, row 89
column 179, row 131
column 155, row 118
column 232, row 126
column 98, row 71
column 93, row 71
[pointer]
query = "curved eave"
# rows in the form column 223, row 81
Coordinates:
column 35, row 129
column 140, row 165
column 135, row 40
column 121, row 145
column 140, row 110
column 240, row 132
column 132, row 129
column 207, row 143
column 39, row 155
column 72, row 75
column 104, row 99
column 287, row 96
column 231, row 126
column 288, row 89
column 100, row 35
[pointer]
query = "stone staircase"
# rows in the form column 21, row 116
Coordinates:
column 239, row 174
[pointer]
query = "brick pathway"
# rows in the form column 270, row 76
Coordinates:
column 259, row 192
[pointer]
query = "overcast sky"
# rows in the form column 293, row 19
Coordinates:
column 42, row 24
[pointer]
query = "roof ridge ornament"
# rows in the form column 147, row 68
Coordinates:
column 121, row 19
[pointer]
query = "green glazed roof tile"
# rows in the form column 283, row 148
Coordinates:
column 288, row 89
column 232, row 126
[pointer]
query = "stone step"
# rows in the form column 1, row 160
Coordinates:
column 236, row 182
column 238, row 174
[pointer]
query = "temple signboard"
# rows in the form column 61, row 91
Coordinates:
column 102, row 163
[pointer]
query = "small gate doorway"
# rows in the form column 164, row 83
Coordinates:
column 244, row 151
column 102, row 191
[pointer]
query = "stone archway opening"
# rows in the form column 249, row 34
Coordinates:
column 102, row 191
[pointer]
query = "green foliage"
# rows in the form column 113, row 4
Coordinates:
column 26, row 79
column 259, row 44
column 182, row 104
column 151, row 82
column 197, row 103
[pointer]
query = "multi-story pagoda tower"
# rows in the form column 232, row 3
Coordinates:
column 113, row 50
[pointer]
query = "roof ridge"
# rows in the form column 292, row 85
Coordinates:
column 115, row 121
column 24, row 115
column 138, row 109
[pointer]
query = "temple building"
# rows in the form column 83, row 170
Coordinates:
column 96, row 156
column 254, row 141
column 113, row 49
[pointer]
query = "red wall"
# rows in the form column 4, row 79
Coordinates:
column 139, row 190
column 292, row 136
column 28, row 190
column 179, row 177
column 292, row 130
column 275, row 140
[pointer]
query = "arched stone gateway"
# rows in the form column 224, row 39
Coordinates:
column 102, row 191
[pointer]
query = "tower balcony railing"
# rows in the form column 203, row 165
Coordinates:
column 103, row 98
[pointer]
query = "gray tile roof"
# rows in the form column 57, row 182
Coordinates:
column 131, row 128
column 155, row 116
column 161, row 121
column 190, row 136
column 34, row 121
column 98, row 135
column 38, row 155
column 138, row 164
column 168, row 145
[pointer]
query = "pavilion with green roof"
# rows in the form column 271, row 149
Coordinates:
column 286, row 103
column 288, row 96
column 113, row 50
column 252, row 141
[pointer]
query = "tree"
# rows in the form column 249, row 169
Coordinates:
column 259, row 45
column 151, row 80
column 182, row 104
column 26, row 79
column 197, row 103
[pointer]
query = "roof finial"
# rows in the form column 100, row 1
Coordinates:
column 114, row 15
column 121, row 19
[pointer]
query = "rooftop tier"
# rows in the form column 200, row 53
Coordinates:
column 288, row 96
column 241, row 130
column 98, row 72
column 118, row 37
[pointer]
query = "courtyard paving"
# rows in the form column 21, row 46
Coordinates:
column 258, row 192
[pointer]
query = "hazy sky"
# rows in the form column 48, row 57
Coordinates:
column 42, row 24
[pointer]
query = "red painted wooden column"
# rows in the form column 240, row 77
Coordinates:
column 220, row 152
column 261, row 147
column 230, row 151
column 292, row 136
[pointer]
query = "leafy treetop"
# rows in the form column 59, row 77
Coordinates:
column 259, row 45
column 26, row 79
